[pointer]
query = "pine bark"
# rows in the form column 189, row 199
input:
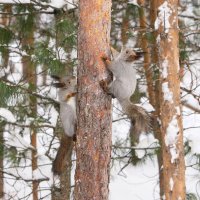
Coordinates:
column 170, row 105
column 93, row 146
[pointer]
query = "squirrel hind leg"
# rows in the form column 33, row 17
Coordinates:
column 104, row 85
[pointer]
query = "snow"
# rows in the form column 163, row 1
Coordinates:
column 171, row 138
column 6, row 114
column 164, row 67
column 37, row 175
column 194, row 143
column 18, row 141
column 163, row 18
column 168, row 95
column 171, row 184
column 134, row 2
column 147, row 142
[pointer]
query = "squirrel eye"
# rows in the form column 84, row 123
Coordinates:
column 127, row 51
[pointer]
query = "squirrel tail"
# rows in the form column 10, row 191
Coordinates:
column 65, row 148
column 141, row 121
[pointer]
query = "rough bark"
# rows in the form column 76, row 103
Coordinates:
column 93, row 145
column 170, row 105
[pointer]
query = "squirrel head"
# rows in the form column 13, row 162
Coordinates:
column 64, row 82
column 128, row 55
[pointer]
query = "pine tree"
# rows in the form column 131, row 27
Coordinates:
column 93, row 146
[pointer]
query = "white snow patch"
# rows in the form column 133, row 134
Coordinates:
column 37, row 175
column 5, row 113
column 194, row 141
column 17, row 141
column 168, row 96
column 134, row 2
column 147, row 142
column 163, row 17
column 164, row 67
column 171, row 138
column 171, row 184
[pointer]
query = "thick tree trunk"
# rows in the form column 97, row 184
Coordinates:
column 93, row 145
column 170, row 106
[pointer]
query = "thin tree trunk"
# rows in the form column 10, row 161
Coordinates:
column 66, row 143
column 155, row 91
column 170, row 105
column 93, row 145
column 1, row 162
column 125, row 26
column 4, row 20
column 29, row 73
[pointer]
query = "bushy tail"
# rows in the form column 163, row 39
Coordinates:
column 141, row 121
column 65, row 148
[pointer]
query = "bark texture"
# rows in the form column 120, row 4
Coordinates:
column 93, row 145
column 170, row 105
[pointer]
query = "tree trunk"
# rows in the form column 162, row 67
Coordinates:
column 29, row 73
column 155, row 92
column 4, row 20
column 93, row 145
column 170, row 107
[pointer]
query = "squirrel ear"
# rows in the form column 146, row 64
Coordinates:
column 139, row 55
column 58, row 85
column 123, row 48
column 55, row 77
column 114, row 52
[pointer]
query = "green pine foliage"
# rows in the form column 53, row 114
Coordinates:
column 8, row 94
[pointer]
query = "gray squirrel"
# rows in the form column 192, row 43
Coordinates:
column 67, row 99
column 123, row 87
column 67, row 90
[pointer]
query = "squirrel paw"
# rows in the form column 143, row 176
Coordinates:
column 104, row 57
column 103, row 85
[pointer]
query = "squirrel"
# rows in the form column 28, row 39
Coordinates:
column 124, row 86
column 67, row 98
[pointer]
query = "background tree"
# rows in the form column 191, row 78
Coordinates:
column 93, row 146
column 170, row 104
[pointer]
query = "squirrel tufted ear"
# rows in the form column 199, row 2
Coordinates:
column 123, row 48
column 55, row 77
column 58, row 85
column 114, row 52
column 139, row 55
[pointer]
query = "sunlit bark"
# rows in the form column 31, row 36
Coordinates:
column 93, row 144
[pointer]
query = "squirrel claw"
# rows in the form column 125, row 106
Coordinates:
column 103, row 84
column 104, row 57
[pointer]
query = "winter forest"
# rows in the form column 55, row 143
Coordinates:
column 58, row 51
